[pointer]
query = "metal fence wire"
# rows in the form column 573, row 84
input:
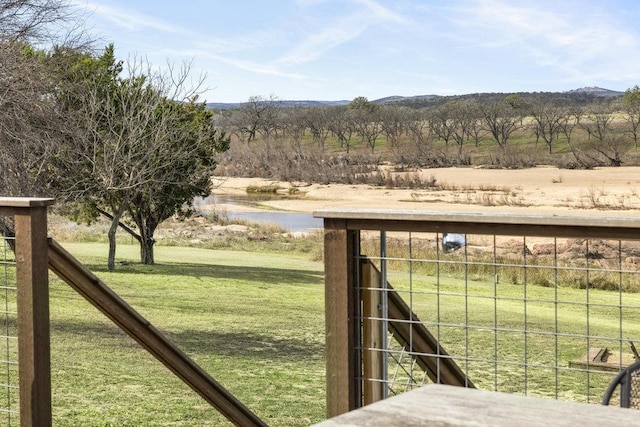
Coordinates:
column 9, row 391
column 541, row 316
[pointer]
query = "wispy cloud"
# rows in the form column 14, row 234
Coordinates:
column 340, row 30
column 381, row 13
column 548, row 35
column 128, row 18
column 195, row 45
column 234, row 44
column 312, row 47
column 273, row 42
column 252, row 67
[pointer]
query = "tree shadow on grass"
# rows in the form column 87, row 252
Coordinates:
column 195, row 343
column 248, row 344
column 240, row 273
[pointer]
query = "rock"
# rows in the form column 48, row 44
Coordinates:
column 237, row 228
column 544, row 249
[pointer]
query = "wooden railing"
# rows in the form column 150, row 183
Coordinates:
column 35, row 254
column 351, row 310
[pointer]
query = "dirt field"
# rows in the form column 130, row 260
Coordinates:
column 602, row 192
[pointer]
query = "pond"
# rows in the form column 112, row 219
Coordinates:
column 293, row 222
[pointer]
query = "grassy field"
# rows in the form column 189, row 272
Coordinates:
column 482, row 326
column 254, row 321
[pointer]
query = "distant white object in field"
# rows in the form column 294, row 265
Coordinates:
column 453, row 241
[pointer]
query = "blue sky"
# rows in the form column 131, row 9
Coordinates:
column 341, row 49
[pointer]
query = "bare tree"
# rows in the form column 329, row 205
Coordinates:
column 476, row 129
column 270, row 120
column 572, row 116
column 418, row 126
column 460, row 122
column 316, row 119
column 598, row 122
column 30, row 123
column 631, row 106
column 293, row 125
column 341, row 126
column 419, row 151
column 257, row 115
column 40, row 21
column 501, row 120
column 393, row 120
column 548, row 118
column 440, row 123
column 365, row 116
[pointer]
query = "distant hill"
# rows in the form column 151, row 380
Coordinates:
column 399, row 99
column 284, row 104
column 581, row 96
column 598, row 91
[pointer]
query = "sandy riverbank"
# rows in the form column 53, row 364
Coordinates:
column 602, row 191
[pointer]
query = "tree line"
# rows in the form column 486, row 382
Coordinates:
column 597, row 133
column 102, row 136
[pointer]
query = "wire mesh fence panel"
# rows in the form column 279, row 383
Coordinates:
column 539, row 316
column 9, row 390
column 405, row 373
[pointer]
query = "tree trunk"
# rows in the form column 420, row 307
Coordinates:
column 111, row 260
column 146, row 227
column 146, row 250
column 115, row 221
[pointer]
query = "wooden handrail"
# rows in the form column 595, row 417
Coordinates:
column 624, row 228
column 65, row 266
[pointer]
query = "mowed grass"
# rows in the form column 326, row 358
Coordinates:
column 255, row 322
column 482, row 326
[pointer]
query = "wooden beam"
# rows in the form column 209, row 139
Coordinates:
column 624, row 228
column 34, row 348
column 372, row 339
column 342, row 325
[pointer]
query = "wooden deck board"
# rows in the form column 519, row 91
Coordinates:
column 447, row 406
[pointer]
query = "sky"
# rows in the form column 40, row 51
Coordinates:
column 341, row 49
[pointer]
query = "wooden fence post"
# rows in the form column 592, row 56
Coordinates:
column 34, row 360
column 341, row 317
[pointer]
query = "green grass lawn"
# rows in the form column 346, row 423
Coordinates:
column 481, row 325
column 254, row 321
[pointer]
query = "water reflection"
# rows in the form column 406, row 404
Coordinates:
column 291, row 221
column 242, row 200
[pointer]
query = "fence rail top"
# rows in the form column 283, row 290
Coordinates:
column 397, row 219
column 474, row 217
column 25, row 202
